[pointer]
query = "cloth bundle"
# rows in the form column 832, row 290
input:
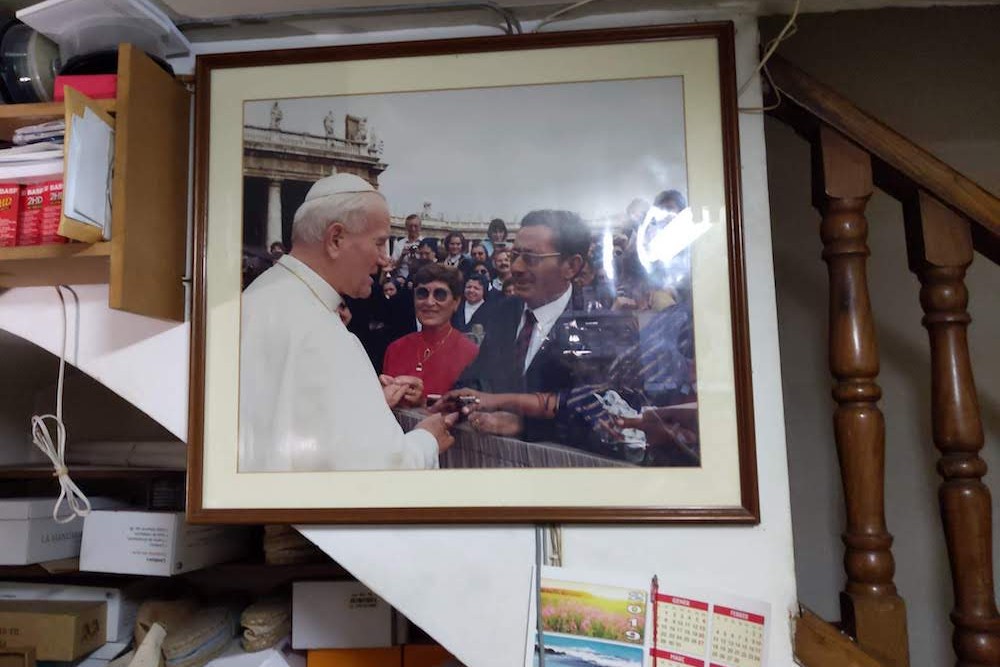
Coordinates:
column 169, row 614
column 265, row 623
column 283, row 545
column 203, row 636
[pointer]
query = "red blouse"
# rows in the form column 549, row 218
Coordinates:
column 441, row 369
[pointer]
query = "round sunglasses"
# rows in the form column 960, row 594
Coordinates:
column 440, row 294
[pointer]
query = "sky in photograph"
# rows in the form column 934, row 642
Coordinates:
column 476, row 154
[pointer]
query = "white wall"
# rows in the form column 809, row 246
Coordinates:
column 23, row 367
column 142, row 359
column 933, row 75
column 468, row 586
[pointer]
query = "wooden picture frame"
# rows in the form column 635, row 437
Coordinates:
column 235, row 92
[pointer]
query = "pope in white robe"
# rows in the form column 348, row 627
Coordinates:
column 310, row 399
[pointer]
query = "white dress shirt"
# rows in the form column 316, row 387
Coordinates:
column 545, row 319
column 309, row 396
column 397, row 248
column 471, row 308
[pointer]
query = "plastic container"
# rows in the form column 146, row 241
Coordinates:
column 28, row 64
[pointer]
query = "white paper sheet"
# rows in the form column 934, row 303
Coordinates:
column 87, row 187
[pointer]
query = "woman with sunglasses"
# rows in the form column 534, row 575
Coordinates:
column 437, row 354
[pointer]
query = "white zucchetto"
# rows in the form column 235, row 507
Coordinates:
column 338, row 184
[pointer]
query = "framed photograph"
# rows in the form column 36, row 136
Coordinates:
column 493, row 279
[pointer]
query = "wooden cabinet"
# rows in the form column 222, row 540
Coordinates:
column 144, row 261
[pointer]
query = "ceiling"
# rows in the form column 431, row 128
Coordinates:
column 223, row 20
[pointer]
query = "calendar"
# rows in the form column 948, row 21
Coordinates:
column 610, row 618
column 591, row 618
column 707, row 629
column 681, row 625
column 737, row 638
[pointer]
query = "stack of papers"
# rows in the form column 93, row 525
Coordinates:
column 54, row 129
column 87, row 189
column 31, row 162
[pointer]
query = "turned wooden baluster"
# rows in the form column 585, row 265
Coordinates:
column 940, row 250
column 872, row 611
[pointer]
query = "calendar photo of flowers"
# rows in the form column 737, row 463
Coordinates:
column 585, row 621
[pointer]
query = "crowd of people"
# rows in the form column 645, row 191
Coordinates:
column 555, row 334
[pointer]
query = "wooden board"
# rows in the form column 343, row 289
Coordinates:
column 150, row 191
column 13, row 116
column 64, row 264
column 819, row 644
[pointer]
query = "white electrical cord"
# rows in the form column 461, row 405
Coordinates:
column 554, row 15
column 69, row 492
column 790, row 29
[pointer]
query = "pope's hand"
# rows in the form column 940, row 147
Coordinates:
column 393, row 393
column 404, row 389
column 414, row 395
column 438, row 425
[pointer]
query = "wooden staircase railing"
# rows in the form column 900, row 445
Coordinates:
column 947, row 217
column 819, row 644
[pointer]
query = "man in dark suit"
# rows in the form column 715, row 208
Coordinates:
column 520, row 353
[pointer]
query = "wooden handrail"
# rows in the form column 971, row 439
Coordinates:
column 946, row 216
column 919, row 169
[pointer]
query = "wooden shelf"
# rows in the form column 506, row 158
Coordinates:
column 43, row 471
column 267, row 576
column 13, row 116
column 60, row 264
column 143, row 265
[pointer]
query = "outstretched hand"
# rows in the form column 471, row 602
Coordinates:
column 465, row 401
column 402, row 389
column 497, row 423
column 664, row 427
column 439, row 426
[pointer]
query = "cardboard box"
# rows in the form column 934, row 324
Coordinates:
column 123, row 605
column 29, row 534
column 340, row 614
column 10, row 200
column 29, row 214
column 58, row 629
column 112, row 650
column 51, row 213
column 17, row 657
column 279, row 655
column 155, row 543
column 85, row 662
column 425, row 655
column 356, row 657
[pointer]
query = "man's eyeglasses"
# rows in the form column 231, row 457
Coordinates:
column 530, row 258
column 440, row 294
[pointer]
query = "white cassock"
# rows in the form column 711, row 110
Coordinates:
column 309, row 396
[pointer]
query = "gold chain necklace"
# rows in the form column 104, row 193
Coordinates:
column 428, row 352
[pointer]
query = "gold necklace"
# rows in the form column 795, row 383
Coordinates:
column 428, row 352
